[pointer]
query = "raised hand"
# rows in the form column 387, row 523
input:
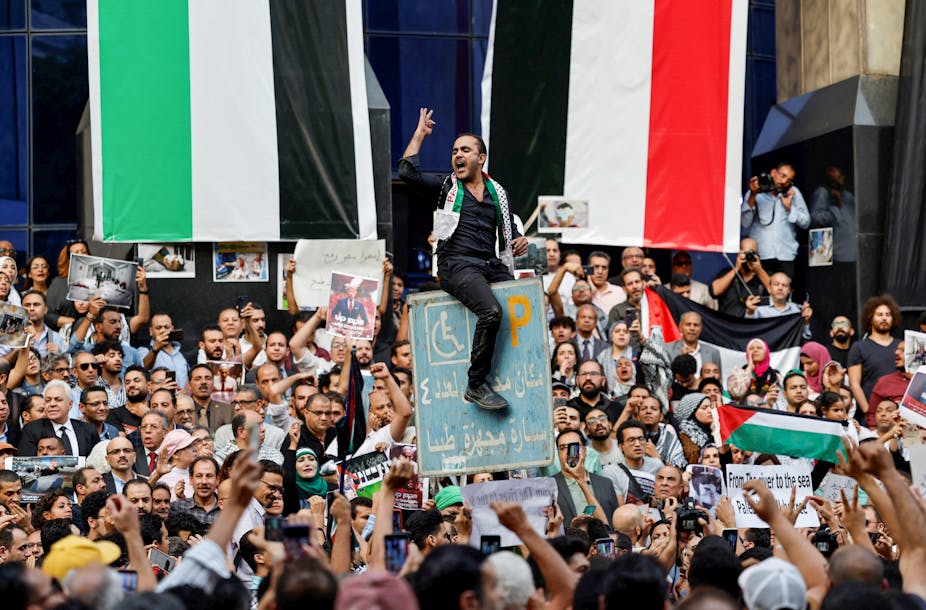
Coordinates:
column 425, row 123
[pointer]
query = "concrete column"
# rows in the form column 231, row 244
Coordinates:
column 821, row 42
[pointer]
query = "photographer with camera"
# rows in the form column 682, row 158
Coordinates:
column 772, row 211
column 746, row 278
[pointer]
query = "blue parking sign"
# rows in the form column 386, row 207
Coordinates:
column 455, row 436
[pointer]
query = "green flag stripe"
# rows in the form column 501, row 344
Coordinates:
column 145, row 120
column 765, row 439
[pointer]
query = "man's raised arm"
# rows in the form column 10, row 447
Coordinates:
column 409, row 165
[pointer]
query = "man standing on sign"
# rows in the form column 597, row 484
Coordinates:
column 473, row 210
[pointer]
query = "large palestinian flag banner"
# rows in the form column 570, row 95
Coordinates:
column 219, row 120
column 636, row 106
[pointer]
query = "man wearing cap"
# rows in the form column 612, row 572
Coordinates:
column 120, row 455
column 72, row 552
column 177, row 451
column 449, row 501
column 78, row 437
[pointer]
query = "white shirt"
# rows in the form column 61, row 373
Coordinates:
column 72, row 437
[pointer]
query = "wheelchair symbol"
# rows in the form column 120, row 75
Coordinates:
column 443, row 336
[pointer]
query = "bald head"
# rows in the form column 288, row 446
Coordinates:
column 626, row 519
column 855, row 564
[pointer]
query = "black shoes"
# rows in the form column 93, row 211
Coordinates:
column 485, row 397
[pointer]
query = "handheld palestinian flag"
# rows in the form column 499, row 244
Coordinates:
column 781, row 433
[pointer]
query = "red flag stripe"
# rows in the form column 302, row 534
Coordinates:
column 687, row 160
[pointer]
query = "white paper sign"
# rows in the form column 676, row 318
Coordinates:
column 532, row 494
column 780, row 480
column 913, row 403
column 833, row 483
column 918, row 466
column 316, row 259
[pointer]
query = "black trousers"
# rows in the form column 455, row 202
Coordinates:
column 468, row 280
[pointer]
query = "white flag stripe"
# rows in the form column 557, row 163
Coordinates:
column 363, row 150
column 611, row 56
column 797, row 424
column 782, row 360
column 486, row 111
column 739, row 15
column 235, row 165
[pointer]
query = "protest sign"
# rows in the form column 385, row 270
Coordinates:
column 534, row 260
column 352, row 306
column 226, row 377
column 364, row 473
column 914, row 351
column 780, row 480
column 41, row 474
column 913, row 403
column 533, row 495
column 457, row 437
column 240, row 261
column 917, row 455
column 833, row 483
column 415, row 494
column 316, row 259
column 176, row 260
column 820, row 252
column 706, row 485
column 558, row 213
column 110, row 279
column 282, row 260
column 13, row 320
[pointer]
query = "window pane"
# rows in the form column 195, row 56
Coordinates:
column 446, row 16
column 12, row 14
column 59, row 14
column 761, row 36
column 59, row 93
column 49, row 244
column 20, row 241
column 408, row 69
column 482, row 17
column 14, row 166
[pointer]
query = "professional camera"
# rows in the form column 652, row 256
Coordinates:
column 751, row 256
column 766, row 184
column 825, row 541
column 688, row 517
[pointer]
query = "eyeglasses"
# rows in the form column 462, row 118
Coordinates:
column 124, row 451
column 580, row 289
column 8, row 251
column 597, row 420
column 61, row 370
column 236, row 403
column 635, row 440
column 320, row 413
column 840, row 323
column 589, row 374
column 184, row 411
column 85, row 366
column 273, row 488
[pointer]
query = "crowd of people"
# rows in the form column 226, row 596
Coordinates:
column 200, row 488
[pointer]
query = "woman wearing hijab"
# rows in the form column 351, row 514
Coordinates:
column 8, row 268
column 759, row 367
column 695, row 420
column 814, row 357
column 610, row 359
column 301, row 466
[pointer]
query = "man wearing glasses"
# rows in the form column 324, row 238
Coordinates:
column 269, row 491
column 316, row 431
column 86, row 371
column 634, row 477
column 249, row 398
column 841, row 332
column 120, row 455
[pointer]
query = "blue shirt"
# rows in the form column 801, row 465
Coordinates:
column 774, row 228
column 172, row 362
column 130, row 355
column 770, row 311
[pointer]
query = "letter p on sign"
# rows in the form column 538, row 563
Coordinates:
column 516, row 320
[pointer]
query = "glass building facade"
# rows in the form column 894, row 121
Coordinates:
column 424, row 52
